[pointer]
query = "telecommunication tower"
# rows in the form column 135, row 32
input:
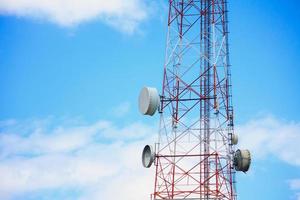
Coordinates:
column 195, row 156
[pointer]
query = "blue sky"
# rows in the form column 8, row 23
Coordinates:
column 75, row 69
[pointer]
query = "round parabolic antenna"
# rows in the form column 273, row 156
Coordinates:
column 242, row 160
column 148, row 101
column 147, row 156
column 234, row 139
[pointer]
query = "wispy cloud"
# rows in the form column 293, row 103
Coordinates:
column 295, row 185
column 271, row 136
column 97, row 158
column 93, row 158
column 122, row 15
column 121, row 110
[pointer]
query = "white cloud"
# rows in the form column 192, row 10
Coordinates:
column 41, row 140
column 270, row 136
column 295, row 185
column 95, row 158
column 273, row 137
column 124, row 15
column 121, row 110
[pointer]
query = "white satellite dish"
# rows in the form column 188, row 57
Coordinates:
column 234, row 139
column 242, row 160
column 148, row 156
column 148, row 101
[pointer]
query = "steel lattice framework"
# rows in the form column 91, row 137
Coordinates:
column 194, row 153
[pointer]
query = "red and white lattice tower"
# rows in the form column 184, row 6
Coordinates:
column 194, row 157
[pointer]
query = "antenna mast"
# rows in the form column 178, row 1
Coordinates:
column 195, row 157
